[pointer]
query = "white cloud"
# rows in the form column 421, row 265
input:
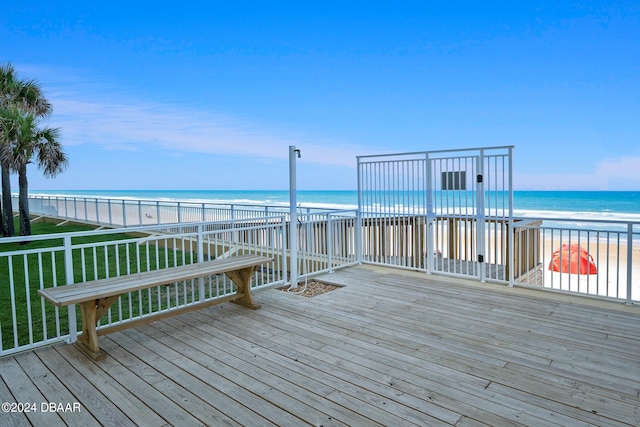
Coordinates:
column 625, row 168
column 119, row 123
column 611, row 174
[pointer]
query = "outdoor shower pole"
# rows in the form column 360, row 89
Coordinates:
column 293, row 217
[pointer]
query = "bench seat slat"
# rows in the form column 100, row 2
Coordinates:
column 102, row 288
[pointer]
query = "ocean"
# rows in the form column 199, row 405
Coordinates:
column 587, row 205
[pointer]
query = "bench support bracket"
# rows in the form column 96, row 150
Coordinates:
column 242, row 279
column 92, row 311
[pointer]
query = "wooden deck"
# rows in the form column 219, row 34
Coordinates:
column 390, row 348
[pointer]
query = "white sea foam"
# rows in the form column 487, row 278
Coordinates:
column 577, row 215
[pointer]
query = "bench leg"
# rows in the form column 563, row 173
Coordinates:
column 242, row 279
column 92, row 311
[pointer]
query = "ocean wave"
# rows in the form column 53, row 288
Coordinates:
column 607, row 215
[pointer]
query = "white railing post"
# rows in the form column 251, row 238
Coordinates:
column 158, row 212
column 200, row 246
column 179, row 213
column 511, row 237
column 293, row 217
column 629, row 262
column 358, row 221
column 430, row 215
column 358, row 236
column 109, row 209
column 330, row 242
column 68, row 267
column 97, row 210
column 283, row 240
column 480, row 215
column 139, row 212
column 124, row 213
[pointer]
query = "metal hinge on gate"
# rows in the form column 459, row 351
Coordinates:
column 480, row 258
column 479, row 179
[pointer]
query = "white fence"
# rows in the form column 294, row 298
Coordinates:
column 404, row 225
column 591, row 257
column 26, row 321
column 612, row 247
column 132, row 213
column 436, row 210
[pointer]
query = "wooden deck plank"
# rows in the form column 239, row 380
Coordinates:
column 632, row 407
column 9, row 418
column 254, row 378
column 431, row 386
column 557, row 347
column 161, row 381
column 552, row 332
column 528, row 343
column 425, row 386
column 83, row 390
column 314, row 382
column 54, row 391
column 162, row 405
column 130, row 404
column 169, row 363
column 344, row 386
column 25, row 392
column 315, row 315
column 393, row 347
column 489, row 371
column 256, row 399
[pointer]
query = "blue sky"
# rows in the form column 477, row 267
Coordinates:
column 210, row 95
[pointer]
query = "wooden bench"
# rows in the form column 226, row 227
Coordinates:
column 97, row 296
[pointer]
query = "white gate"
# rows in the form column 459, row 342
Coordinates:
column 443, row 211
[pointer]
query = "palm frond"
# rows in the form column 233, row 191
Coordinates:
column 31, row 99
column 51, row 158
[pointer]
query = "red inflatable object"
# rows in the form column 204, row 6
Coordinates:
column 572, row 259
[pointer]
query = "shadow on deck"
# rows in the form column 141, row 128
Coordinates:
column 392, row 347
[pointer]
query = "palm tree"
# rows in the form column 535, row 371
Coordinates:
column 26, row 142
column 27, row 96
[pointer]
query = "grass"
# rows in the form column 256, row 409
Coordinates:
column 42, row 264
